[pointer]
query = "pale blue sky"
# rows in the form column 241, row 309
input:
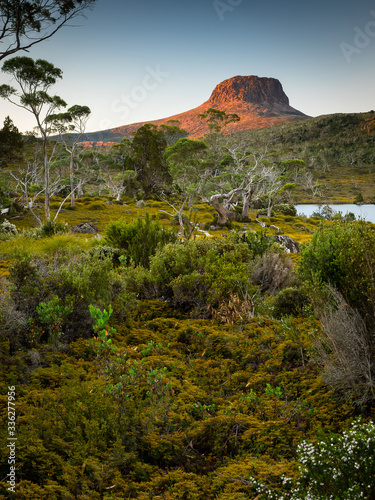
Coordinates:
column 140, row 60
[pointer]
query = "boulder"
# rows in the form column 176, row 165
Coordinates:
column 287, row 242
column 85, row 228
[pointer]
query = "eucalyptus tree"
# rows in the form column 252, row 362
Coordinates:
column 282, row 180
column 117, row 184
column 237, row 176
column 173, row 132
column 71, row 126
column 217, row 120
column 25, row 23
column 148, row 162
column 190, row 168
column 11, row 142
column 34, row 79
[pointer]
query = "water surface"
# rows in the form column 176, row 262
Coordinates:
column 366, row 212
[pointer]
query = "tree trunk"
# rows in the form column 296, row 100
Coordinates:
column 270, row 208
column 246, row 202
column 80, row 189
column 222, row 212
column 181, row 220
column 46, row 179
column 71, row 174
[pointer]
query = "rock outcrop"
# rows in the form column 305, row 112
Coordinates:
column 251, row 89
column 85, row 228
column 260, row 102
column 287, row 242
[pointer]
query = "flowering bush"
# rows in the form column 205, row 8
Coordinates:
column 7, row 230
column 342, row 466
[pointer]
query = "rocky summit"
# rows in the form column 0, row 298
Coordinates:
column 259, row 102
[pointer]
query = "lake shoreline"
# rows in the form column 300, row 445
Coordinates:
column 365, row 211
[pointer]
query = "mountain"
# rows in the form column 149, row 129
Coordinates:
column 260, row 102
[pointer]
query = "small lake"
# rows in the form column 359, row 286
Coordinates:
column 366, row 212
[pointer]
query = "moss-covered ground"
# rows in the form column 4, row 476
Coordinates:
column 175, row 407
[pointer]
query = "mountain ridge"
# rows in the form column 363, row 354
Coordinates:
column 259, row 101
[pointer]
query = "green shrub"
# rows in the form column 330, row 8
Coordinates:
column 359, row 199
column 24, row 281
column 96, row 206
column 290, row 302
column 50, row 227
column 286, row 209
column 282, row 208
column 339, row 466
column 106, row 251
column 258, row 242
column 74, row 280
column 343, row 254
column 339, row 266
column 195, row 275
column 263, row 211
column 8, row 228
column 139, row 239
column 50, row 315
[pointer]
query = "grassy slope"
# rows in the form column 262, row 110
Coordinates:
column 339, row 148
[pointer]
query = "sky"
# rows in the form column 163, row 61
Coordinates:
column 140, row 60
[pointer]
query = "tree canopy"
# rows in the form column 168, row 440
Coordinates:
column 25, row 23
column 216, row 119
column 11, row 141
column 148, row 148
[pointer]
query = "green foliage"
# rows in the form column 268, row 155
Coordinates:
column 11, row 142
column 70, row 280
column 7, row 229
column 286, row 209
column 31, row 22
column 283, row 208
column 52, row 314
column 216, row 119
column 359, row 198
column 101, row 319
column 51, row 227
column 159, row 403
column 195, row 275
column 290, row 301
column 23, row 276
column 339, row 466
column 148, row 146
column 138, row 240
column 344, row 256
column 339, row 265
column 258, row 242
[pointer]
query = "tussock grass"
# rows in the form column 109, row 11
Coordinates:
column 46, row 246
